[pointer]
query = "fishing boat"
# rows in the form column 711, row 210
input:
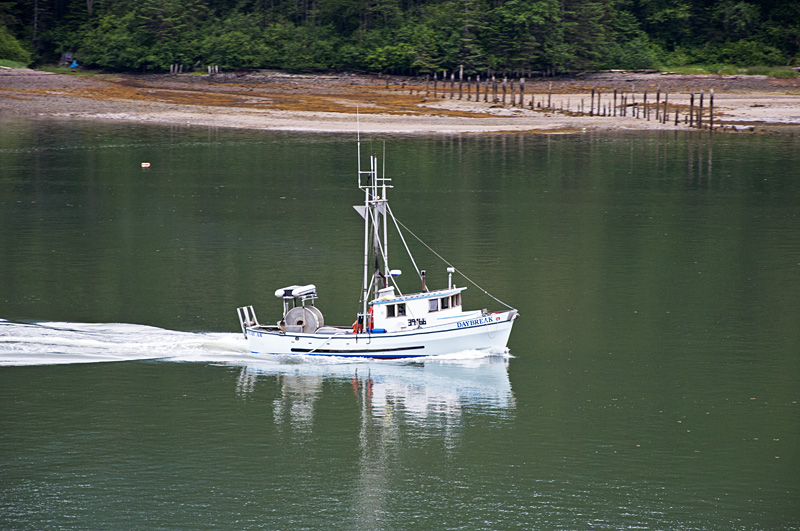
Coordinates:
column 389, row 323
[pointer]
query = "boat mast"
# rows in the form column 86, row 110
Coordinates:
column 379, row 206
column 375, row 206
column 365, row 214
column 375, row 213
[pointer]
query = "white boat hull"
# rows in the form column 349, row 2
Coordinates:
column 489, row 332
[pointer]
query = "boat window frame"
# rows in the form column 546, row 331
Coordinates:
column 390, row 310
column 445, row 303
column 433, row 305
column 401, row 309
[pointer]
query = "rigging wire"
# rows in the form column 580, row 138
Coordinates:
column 448, row 263
column 402, row 239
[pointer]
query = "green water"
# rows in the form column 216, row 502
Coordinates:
column 652, row 380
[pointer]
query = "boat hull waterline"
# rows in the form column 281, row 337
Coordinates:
column 488, row 333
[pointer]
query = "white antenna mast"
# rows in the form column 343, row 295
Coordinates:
column 387, row 271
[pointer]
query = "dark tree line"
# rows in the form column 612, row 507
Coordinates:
column 401, row 36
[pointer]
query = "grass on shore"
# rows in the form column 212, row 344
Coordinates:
column 731, row 70
column 12, row 64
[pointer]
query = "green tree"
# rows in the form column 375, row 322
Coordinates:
column 521, row 32
column 586, row 32
column 667, row 21
column 736, row 19
column 632, row 47
column 237, row 42
column 113, row 42
column 11, row 49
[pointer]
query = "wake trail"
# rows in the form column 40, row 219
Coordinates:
column 47, row 343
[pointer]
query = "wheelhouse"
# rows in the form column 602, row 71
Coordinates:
column 392, row 314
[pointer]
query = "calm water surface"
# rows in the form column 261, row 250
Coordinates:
column 652, row 379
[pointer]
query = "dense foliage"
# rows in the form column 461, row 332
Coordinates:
column 402, row 36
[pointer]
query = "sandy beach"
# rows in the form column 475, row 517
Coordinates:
column 328, row 102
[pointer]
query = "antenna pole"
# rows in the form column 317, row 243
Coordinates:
column 385, row 222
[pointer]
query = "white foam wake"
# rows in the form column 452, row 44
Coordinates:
column 47, row 343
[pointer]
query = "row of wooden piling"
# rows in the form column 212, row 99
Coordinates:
column 179, row 69
column 614, row 102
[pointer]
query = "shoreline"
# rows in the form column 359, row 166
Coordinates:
column 328, row 103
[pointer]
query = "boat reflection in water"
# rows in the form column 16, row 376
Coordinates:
column 431, row 393
column 398, row 406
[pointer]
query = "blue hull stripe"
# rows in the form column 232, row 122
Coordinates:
column 354, row 351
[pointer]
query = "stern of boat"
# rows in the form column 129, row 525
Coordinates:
column 247, row 318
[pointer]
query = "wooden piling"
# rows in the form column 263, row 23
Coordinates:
column 700, row 110
column 691, row 109
column 658, row 105
column 711, row 111
column 522, row 93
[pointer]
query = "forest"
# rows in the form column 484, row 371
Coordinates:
column 401, row 36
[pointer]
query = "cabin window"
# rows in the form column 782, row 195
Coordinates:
column 390, row 310
column 445, row 303
column 401, row 309
column 456, row 300
column 433, row 305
